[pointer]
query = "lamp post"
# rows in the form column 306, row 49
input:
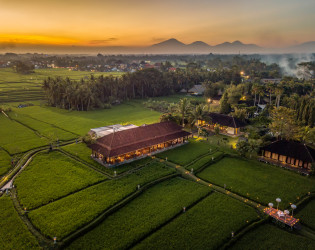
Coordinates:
column 293, row 207
column 278, row 200
column 208, row 101
column 270, row 206
column 286, row 212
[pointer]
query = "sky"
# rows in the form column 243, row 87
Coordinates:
column 268, row 23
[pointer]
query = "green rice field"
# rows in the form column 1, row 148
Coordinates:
column 16, row 87
column 258, row 181
column 68, row 214
column 271, row 237
column 141, row 216
column 13, row 232
column 207, row 225
column 56, row 176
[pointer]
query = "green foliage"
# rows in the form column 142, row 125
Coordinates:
column 66, row 215
column 284, row 124
column 13, row 232
column 258, row 181
column 144, row 214
column 185, row 154
column 56, row 176
column 23, row 68
column 270, row 237
column 307, row 215
column 206, row 225
column 225, row 107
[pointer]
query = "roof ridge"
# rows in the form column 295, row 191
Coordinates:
column 308, row 151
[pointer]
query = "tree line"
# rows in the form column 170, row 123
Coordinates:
column 100, row 92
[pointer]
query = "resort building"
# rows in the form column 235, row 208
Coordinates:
column 125, row 145
column 289, row 154
column 228, row 125
column 102, row 131
column 197, row 90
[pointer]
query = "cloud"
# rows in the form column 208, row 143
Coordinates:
column 104, row 41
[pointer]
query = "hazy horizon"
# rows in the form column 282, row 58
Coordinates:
column 58, row 24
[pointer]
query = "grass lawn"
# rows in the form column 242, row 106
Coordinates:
column 271, row 237
column 13, row 232
column 144, row 214
column 80, row 122
column 44, row 129
column 258, row 181
column 83, row 152
column 5, row 162
column 16, row 138
column 307, row 214
column 187, row 153
column 204, row 160
column 207, row 225
column 176, row 98
column 66, row 215
column 223, row 143
column 51, row 176
column 16, row 87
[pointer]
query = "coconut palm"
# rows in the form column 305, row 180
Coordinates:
column 183, row 109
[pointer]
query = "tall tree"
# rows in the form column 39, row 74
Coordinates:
column 284, row 124
column 183, row 109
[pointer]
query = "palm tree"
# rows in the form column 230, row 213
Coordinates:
column 270, row 88
column 255, row 89
column 196, row 114
column 183, row 108
column 260, row 92
column 278, row 91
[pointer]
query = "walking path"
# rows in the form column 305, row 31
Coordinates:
column 186, row 174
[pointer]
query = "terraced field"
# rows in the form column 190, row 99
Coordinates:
column 66, row 215
column 16, row 87
column 143, row 215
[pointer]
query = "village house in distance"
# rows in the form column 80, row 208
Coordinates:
column 128, row 143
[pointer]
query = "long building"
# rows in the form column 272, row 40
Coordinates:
column 228, row 124
column 128, row 144
column 289, row 154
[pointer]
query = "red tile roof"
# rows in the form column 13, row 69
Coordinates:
column 130, row 140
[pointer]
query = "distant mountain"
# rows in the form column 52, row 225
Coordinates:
column 199, row 47
column 236, row 47
column 308, row 47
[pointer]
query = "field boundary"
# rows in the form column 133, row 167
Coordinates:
column 101, row 217
column 168, row 221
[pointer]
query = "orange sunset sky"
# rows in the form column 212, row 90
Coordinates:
column 270, row 23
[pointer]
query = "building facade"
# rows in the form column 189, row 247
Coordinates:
column 125, row 145
column 289, row 154
column 228, row 125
